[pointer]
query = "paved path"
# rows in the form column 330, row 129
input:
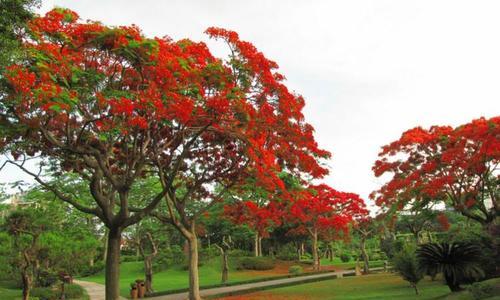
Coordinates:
column 95, row 290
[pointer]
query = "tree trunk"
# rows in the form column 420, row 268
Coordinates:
column 260, row 245
column 256, row 245
column 316, row 262
column 194, row 280
column 366, row 266
column 225, row 267
column 113, row 264
column 105, row 250
column 302, row 249
column 415, row 287
column 26, row 279
column 148, row 272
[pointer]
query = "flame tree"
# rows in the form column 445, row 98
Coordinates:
column 457, row 166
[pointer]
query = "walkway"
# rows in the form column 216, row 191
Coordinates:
column 94, row 290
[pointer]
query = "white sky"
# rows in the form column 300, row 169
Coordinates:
column 368, row 69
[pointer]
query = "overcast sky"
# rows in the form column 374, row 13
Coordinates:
column 368, row 70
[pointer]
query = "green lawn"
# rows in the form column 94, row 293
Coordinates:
column 8, row 291
column 172, row 278
column 177, row 278
column 368, row 287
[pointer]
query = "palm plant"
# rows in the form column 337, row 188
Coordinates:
column 459, row 262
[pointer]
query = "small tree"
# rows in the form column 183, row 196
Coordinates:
column 26, row 226
column 459, row 262
column 224, row 248
column 405, row 263
column 321, row 208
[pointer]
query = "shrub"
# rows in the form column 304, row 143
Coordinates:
column 73, row 291
column 459, row 262
column 405, row 263
column 130, row 258
column 44, row 293
column 481, row 290
column 46, row 278
column 287, row 252
column 295, row 270
column 91, row 270
column 169, row 257
column 240, row 253
column 344, row 257
column 306, row 256
column 206, row 253
column 257, row 263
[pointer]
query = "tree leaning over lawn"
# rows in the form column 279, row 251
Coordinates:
column 239, row 121
column 321, row 208
column 457, row 166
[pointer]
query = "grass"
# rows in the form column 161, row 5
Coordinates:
column 9, row 291
column 173, row 278
column 377, row 286
column 369, row 287
column 176, row 278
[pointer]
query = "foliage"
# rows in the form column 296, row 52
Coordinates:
column 91, row 270
column 405, row 263
column 443, row 164
column 287, row 252
column 71, row 291
column 345, row 257
column 295, row 270
column 459, row 262
column 481, row 290
column 240, row 253
column 169, row 257
column 46, row 278
column 257, row 263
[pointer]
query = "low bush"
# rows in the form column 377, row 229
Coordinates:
column 73, row 291
column 169, row 257
column 306, row 256
column 46, row 278
column 44, row 293
column 481, row 290
column 287, row 252
column 91, row 270
column 240, row 253
column 295, row 270
column 130, row 258
column 257, row 263
column 345, row 257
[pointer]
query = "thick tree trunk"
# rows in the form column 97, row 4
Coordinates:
column 366, row 266
column 113, row 264
column 194, row 280
column 316, row 262
column 302, row 249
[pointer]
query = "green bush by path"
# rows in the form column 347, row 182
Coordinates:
column 257, row 263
